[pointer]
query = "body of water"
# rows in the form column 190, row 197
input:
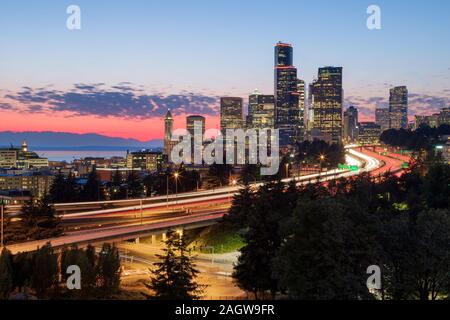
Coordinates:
column 69, row 156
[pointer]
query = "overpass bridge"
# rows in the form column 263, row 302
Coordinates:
column 186, row 211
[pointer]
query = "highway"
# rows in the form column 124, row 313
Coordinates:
column 188, row 210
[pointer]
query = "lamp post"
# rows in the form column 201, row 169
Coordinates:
column 2, row 221
column 287, row 170
column 321, row 158
column 292, row 156
column 140, row 202
column 176, row 175
column 167, row 190
column 233, row 183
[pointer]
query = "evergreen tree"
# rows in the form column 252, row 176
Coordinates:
column 109, row 269
column 117, row 191
column 253, row 272
column 58, row 189
column 219, row 174
column 241, row 208
column 250, row 173
column 6, row 274
column 90, row 273
column 63, row 189
column 135, row 187
column 44, row 271
column 174, row 275
column 416, row 258
column 329, row 245
column 92, row 190
column 23, row 264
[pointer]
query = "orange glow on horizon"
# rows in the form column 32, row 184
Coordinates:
column 142, row 130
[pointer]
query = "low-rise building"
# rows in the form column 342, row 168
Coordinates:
column 21, row 158
column 145, row 160
column 15, row 197
column 38, row 183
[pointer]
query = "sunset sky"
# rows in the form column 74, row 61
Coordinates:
column 134, row 59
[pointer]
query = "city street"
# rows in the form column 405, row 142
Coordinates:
column 215, row 270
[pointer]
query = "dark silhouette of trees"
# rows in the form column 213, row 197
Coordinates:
column 44, row 271
column 135, row 187
column 327, row 250
column 64, row 189
column 109, row 269
column 317, row 241
column 250, row 173
column 92, row 189
column 6, row 274
column 43, row 275
column 38, row 221
column 263, row 216
column 423, row 137
column 309, row 152
column 219, row 174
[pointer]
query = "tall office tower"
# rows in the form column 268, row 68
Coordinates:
column 327, row 97
column 398, row 107
column 287, row 115
column 193, row 123
column 231, row 116
column 168, row 129
column 192, row 120
column 301, row 89
column 261, row 110
column 382, row 118
column 351, row 124
column 309, row 113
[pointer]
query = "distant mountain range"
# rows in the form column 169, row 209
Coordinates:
column 73, row 141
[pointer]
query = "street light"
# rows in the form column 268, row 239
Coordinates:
column 233, row 183
column 287, row 170
column 2, row 220
column 167, row 190
column 321, row 158
column 176, row 175
column 140, row 202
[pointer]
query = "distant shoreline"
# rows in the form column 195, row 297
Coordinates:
column 96, row 148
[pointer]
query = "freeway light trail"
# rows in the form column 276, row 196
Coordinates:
column 191, row 209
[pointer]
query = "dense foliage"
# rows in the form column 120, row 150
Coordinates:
column 317, row 241
column 423, row 138
column 42, row 274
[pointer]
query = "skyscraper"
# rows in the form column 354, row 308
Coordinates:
column 382, row 118
column 192, row 120
column 168, row 128
column 231, row 116
column 193, row 123
column 369, row 133
column 351, row 124
column 327, row 97
column 287, row 114
column 398, row 107
column 301, row 89
column 261, row 110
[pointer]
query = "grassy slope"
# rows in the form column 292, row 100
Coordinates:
column 222, row 238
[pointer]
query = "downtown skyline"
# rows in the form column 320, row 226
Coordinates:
column 83, row 81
